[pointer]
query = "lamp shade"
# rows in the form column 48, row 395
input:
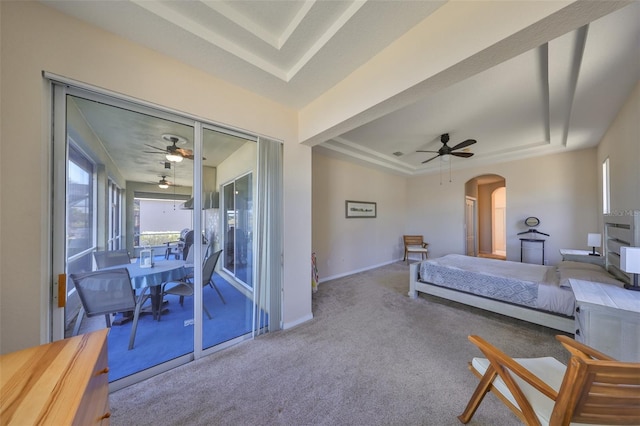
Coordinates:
column 630, row 259
column 594, row 240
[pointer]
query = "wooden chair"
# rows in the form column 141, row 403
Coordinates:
column 414, row 244
column 593, row 389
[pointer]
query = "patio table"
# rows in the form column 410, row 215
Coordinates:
column 161, row 272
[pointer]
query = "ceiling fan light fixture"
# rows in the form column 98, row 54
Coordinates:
column 445, row 158
column 163, row 185
column 174, row 158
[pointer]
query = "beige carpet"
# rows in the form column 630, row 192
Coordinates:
column 370, row 356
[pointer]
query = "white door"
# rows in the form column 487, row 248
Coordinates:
column 470, row 226
column 499, row 210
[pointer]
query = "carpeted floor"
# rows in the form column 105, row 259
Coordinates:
column 370, row 356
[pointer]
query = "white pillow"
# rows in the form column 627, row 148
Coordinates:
column 597, row 276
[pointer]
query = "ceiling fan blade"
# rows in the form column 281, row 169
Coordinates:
column 156, row 148
column 464, row 144
column 462, row 154
column 432, row 158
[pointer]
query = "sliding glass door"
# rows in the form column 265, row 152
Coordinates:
column 126, row 189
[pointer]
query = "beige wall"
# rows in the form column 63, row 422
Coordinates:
column 36, row 38
column 555, row 188
column 564, row 198
column 342, row 245
column 621, row 143
column 562, row 190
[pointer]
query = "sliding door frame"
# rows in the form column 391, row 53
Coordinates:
column 60, row 88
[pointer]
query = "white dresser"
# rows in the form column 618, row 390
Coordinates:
column 608, row 319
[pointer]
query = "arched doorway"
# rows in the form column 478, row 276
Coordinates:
column 485, row 220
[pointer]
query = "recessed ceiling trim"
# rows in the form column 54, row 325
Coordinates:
column 325, row 37
column 210, row 36
column 370, row 152
column 578, row 52
column 405, row 169
column 243, row 21
column 295, row 22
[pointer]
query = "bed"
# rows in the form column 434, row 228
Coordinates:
column 535, row 293
column 520, row 290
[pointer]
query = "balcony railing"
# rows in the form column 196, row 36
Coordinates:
column 156, row 239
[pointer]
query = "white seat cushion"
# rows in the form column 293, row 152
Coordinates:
column 419, row 249
column 548, row 369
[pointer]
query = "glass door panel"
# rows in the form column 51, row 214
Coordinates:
column 125, row 191
column 226, row 296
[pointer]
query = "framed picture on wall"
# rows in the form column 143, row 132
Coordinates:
column 360, row 209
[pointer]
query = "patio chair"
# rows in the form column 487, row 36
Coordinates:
column 186, row 288
column 108, row 292
column 414, row 244
column 105, row 259
column 592, row 389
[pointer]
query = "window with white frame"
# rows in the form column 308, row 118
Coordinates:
column 115, row 217
column 606, row 189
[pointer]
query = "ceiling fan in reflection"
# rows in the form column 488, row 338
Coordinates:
column 164, row 183
column 173, row 152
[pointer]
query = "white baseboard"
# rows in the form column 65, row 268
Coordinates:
column 346, row 274
column 288, row 325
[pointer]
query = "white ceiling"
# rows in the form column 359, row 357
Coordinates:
column 560, row 96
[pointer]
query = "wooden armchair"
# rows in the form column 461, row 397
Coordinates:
column 593, row 389
column 414, row 244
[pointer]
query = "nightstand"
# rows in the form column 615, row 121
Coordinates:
column 582, row 256
column 608, row 319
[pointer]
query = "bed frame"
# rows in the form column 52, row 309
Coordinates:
column 557, row 322
column 622, row 229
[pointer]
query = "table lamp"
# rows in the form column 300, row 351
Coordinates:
column 630, row 262
column 594, row 240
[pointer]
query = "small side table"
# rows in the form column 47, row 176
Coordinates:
column 531, row 240
column 582, row 256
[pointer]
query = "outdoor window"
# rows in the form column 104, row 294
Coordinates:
column 606, row 190
column 158, row 222
column 80, row 216
column 115, row 217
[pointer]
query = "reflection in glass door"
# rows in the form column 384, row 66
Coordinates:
column 119, row 153
column 227, row 219
column 238, row 199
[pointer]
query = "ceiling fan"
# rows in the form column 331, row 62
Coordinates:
column 446, row 150
column 172, row 152
column 164, row 183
